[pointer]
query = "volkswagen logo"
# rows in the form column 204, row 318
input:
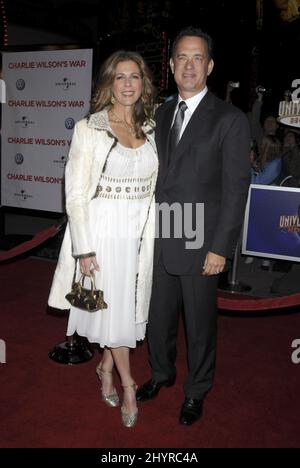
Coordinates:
column 69, row 123
column 19, row 158
column 20, row 84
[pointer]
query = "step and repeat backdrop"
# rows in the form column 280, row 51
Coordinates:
column 46, row 93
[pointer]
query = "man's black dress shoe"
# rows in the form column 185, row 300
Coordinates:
column 191, row 411
column 151, row 389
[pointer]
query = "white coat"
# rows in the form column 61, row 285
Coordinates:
column 91, row 144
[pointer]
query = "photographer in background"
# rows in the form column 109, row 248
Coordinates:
column 290, row 160
column 230, row 87
column 269, row 124
column 266, row 150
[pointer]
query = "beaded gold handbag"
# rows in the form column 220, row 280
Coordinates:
column 83, row 298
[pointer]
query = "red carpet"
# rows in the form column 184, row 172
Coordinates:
column 254, row 402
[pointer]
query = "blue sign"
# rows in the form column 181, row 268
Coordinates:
column 272, row 223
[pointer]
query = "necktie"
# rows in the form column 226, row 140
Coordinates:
column 175, row 130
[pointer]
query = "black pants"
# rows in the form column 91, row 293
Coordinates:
column 197, row 295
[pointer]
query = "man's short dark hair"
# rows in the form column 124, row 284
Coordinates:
column 194, row 32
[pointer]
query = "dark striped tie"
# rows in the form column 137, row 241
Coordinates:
column 176, row 128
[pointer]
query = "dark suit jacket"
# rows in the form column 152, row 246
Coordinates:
column 211, row 165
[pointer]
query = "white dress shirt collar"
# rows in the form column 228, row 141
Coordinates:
column 192, row 104
column 194, row 101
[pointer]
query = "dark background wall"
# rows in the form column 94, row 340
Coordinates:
column 242, row 51
column 250, row 49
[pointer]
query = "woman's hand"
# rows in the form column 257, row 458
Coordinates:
column 88, row 265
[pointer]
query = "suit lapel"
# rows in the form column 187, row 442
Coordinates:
column 163, row 135
column 192, row 128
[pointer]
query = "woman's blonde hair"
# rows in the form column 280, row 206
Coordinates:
column 291, row 12
column 102, row 95
column 271, row 148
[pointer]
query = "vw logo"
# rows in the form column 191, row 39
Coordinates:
column 20, row 84
column 19, row 158
column 69, row 123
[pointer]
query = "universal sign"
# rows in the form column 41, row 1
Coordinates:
column 289, row 111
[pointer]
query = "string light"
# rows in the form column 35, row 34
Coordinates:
column 164, row 65
column 4, row 23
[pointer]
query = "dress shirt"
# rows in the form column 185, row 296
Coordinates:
column 192, row 103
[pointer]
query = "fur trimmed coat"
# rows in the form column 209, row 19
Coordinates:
column 91, row 144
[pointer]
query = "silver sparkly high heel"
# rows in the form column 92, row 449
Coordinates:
column 112, row 399
column 129, row 419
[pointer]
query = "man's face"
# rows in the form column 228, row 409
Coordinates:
column 191, row 65
column 270, row 125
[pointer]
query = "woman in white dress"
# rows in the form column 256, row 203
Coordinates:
column 110, row 179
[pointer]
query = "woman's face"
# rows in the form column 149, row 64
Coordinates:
column 290, row 140
column 127, row 84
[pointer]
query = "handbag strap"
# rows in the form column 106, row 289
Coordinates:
column 92, row 278
column 82, row 277
column 75, row 272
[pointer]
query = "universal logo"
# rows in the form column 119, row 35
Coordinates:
column 19, row 158
column 23, row 195
column 2, row 352
column 289, row 110
column 25, row 122
column 69, row 123
column 66, row 84
column 62, row 161
column 20, row 84
column 296, row 93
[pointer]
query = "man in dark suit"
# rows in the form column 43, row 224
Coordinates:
column 204, row 147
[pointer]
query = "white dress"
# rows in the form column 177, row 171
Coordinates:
column 118, row 214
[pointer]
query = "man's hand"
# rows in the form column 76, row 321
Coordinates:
column 260, row 90
column 214, row 264
column 88, row 265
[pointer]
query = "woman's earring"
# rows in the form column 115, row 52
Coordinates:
column 112, row 99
